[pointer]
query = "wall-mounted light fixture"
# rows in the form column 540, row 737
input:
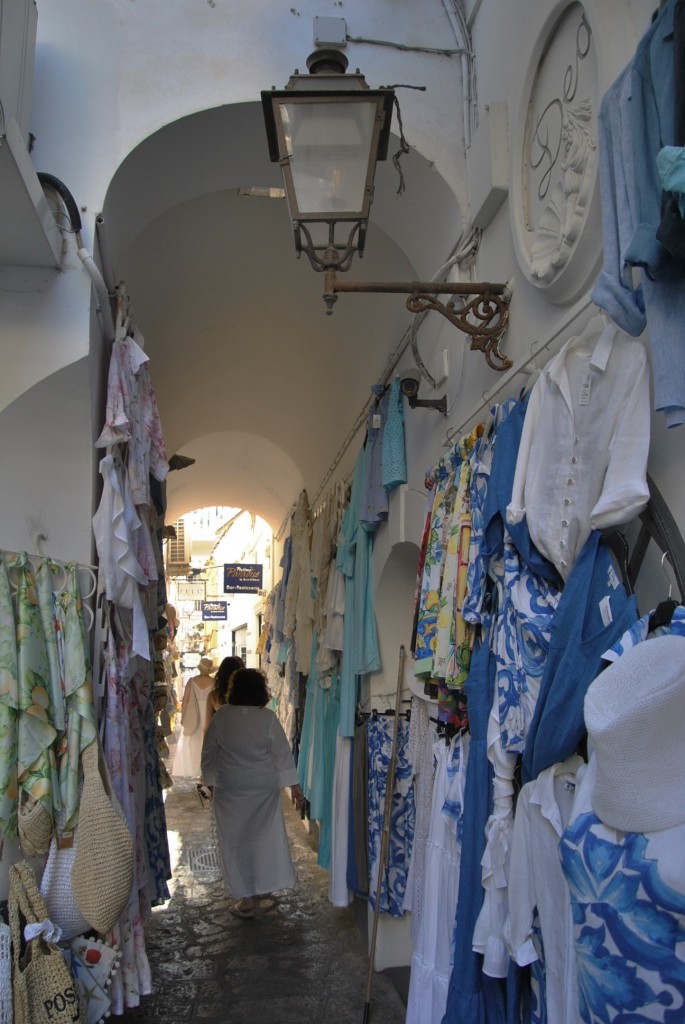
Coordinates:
column 327, row 130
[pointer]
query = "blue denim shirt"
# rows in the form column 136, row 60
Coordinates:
column 653, row 113
column 630, row 136
column 615, row 291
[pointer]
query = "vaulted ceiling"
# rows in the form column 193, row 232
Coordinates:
column 253, row 380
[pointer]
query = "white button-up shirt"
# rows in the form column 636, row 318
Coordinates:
column 540, row 922
column 582, row 461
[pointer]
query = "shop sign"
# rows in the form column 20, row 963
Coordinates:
column 191, row 590
column 214, row 611
column 242, row 578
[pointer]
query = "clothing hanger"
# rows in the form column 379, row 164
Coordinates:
column 663, row 613
column 618, row 545
column 659, row 525
column 590, row 333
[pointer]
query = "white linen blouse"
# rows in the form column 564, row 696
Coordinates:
column 582, row 460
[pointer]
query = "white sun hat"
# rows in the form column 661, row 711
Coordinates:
column 635, row 718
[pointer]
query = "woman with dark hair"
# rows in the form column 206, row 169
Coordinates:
column 247, row 760
column 219, row 692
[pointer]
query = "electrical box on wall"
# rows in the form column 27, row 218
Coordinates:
column 18, row 25
column 488, row 164
column 330, row 32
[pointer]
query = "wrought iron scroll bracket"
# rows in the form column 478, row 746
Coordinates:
column 482, row 314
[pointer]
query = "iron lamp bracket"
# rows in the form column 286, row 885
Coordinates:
column 483, row 313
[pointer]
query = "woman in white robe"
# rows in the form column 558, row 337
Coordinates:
column 247, row 760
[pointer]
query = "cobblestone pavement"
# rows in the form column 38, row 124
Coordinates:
column 298, row 960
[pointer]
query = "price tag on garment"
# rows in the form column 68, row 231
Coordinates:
column 376, row 421
column 605, row 610
column 613, row 579
column 65, row 841
column 585, row 390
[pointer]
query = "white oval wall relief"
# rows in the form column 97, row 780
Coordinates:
column 557, row 222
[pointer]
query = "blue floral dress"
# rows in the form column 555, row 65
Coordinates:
column 628, row 901
column 394, row 882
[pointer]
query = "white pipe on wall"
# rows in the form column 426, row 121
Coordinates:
column 100, row 291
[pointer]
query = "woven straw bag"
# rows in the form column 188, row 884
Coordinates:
column 56, row 886
column 34, row 826
column 44, row 988
column 102, row 873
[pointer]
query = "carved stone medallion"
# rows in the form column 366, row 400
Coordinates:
column 556, row 207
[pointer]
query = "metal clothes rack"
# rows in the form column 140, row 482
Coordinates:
column 87, row 577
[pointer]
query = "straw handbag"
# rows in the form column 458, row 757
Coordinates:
column 34, row 826
column 102, row 874
column 44, row 988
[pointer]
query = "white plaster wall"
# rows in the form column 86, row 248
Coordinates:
column 45, row 466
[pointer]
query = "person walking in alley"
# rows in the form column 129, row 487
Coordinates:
column 219, row 692
column 247, row 760
column 193, row 716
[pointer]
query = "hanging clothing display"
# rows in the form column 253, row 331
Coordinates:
column 132, row 634
column 420, row 753
column 338, row 892
column 299, row 605
column 36, row 761
column 373, row 507
column 636, row 120
column 360, row 638
column 431, row 960
column 539, row 929
column 473, row 997
column 9, row 709
column 80, row 725
column 582, row 461
column 394, row 457
column 594, row 611
column 393, row 885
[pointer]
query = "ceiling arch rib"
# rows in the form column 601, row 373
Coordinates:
column 235, row 469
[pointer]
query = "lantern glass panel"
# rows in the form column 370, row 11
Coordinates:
column 329, row 147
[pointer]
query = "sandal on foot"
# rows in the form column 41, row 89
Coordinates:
column 243, row 912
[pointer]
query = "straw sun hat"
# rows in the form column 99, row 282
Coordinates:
column 635, row 718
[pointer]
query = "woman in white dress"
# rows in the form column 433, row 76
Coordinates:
column 247, row 760
column 193, row 717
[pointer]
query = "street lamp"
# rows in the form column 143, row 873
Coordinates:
column 327, row 130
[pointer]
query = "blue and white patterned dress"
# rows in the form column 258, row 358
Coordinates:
column 394, row 882
column 628, row 901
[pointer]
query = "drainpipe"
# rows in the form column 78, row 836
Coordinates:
column 100, row 287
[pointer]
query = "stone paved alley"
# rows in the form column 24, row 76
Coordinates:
column 299, row 960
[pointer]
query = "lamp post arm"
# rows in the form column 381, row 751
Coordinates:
column 483, row 314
